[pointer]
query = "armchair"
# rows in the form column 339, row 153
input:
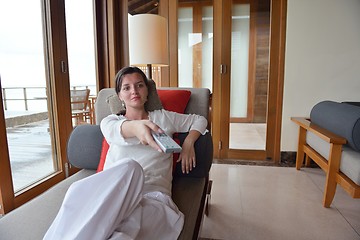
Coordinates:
column 190, row 191
column 331, row 138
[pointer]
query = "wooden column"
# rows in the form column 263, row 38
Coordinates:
column 165, row 71
column 6, row 185
column 276, row 77
column 173, row 43
column 112, row 40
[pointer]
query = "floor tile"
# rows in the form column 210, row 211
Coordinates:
column 256, row 202
column 247, row 136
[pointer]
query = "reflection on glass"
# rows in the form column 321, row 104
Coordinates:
column 239, row 60
column 185, row 57
column 195, row 46
column 207, row 47
column 23, row 80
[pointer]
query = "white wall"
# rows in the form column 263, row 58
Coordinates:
column 322, row 59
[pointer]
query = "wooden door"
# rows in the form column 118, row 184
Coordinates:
column 228, row 14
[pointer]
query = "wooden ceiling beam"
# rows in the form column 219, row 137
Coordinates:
column 143, row 6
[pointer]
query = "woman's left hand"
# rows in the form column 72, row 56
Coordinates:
column 187, row 157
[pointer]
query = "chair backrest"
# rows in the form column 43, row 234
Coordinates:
column 79, row 99
column 198, row 103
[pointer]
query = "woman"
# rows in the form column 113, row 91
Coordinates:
column 135, row 186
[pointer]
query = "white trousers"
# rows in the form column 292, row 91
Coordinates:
column 111, row 205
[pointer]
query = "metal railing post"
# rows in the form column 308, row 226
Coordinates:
column 25, row 99
column 4, row 96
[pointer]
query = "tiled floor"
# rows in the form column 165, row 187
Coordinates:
column 259, row 202
column 247, row 136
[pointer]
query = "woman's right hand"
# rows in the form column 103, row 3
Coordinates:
column 141, row 129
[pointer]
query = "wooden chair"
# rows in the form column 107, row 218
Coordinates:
column 326, row 149
column 80, row 106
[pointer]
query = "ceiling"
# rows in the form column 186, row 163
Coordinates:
column 143, row 6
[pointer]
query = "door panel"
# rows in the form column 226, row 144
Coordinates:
column 242, row 125
column 247, row 135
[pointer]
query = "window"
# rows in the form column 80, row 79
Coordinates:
column 35, row 93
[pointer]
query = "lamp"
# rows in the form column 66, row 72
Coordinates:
column 148, row 43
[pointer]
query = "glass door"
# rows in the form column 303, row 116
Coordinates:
column 241, row 81
column 26, row 102
column 249, row 54
column 241, row 86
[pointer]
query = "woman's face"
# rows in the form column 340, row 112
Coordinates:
column 133, row 91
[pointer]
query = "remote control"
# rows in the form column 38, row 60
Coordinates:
column 166, row 143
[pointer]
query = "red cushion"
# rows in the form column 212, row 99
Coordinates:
column 172, row 100
column 104, row 150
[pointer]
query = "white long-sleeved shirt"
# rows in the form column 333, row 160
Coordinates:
column 157, row 166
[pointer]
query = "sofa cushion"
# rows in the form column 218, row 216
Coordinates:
column 350, row 164
column 174, row 100
column 350, row 159
column 199, row 101
column 32, row 220
column 104, row 150
column 340, row 118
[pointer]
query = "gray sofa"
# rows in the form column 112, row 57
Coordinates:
column 190, row 191
column 331, row 138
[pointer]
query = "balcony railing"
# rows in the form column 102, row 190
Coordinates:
column 22, row 97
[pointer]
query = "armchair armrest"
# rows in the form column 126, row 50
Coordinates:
column 84, row 146
column 333, row 139
column 324, row 134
